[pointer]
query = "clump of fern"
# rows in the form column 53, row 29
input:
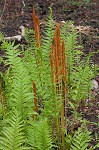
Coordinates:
column 31, row 82
column 80, row 71
column 79, row 141
column 39, row 135
column 12, row 135
column 38, row 65
column 19, row 95
column 18, row 85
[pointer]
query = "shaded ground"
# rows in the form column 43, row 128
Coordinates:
column 14, row 13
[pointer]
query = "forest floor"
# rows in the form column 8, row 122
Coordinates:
column 15, row 13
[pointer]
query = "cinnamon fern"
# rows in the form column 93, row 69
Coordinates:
column 39, row 135
column 79, row 141
column 13, row 137
column 43, row 78
column 19, row 92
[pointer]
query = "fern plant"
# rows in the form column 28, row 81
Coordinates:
column 19, row 92
column 13, row 137
column 80, row 72
column 50, row 75
column 79, row 141
column 41, row 72
column 39, row 135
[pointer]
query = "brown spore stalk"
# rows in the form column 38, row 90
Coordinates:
column 36, row 28
column 58, row 69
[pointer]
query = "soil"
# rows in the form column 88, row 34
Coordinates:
column 14, row 13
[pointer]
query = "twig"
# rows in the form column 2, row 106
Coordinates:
column 23, row 6
column 23, row 3
column 17, row 37
column 3, row 10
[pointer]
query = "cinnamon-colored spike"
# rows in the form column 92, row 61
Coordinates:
column 64, row 61
column 36, row 28
column 58, row 68
column 58, row 57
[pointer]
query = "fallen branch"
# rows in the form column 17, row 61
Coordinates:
column 17, row 37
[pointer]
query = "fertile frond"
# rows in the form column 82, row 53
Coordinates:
column 38, row 64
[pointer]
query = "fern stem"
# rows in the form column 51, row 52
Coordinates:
column 35, row 98
column 2, row 96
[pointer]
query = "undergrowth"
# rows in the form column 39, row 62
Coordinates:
column 44, row 80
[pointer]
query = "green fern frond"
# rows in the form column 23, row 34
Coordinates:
column 72, row 51
column 80, row 140
column 80, row 82
column 18, row 86
column 29, row 37
column 12, row 53
column 48, row 36
column 22, row 94
column 39, row 136
column 13, row 137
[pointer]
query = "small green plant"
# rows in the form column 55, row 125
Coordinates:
column 87, row 1
column 79, row 2
column 13, row 136
column 79, row 141
column 39, row 136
